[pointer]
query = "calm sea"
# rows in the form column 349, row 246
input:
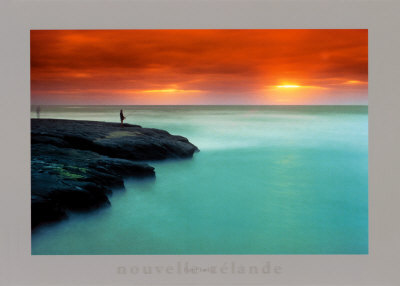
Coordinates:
column 268, row 180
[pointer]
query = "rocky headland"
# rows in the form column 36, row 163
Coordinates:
column 76, row 164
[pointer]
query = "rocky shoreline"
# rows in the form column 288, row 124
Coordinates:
column 75, row 164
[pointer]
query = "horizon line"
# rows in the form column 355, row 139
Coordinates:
column 199, row 104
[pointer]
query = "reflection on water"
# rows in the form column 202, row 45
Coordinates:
column 268, row 180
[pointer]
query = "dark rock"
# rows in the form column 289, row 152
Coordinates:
column 45, row 211
column 76, row 164
column 90, row 196
column 130, row 142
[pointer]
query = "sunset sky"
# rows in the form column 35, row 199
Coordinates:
column 158, row 67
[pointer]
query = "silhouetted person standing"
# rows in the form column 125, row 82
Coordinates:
column 121, row 115
column 38, row 111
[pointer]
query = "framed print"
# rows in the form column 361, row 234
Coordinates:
column 279, row 119
column 199, row 143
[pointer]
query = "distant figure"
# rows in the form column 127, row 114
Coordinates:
column 121, row 115
column 38, row 112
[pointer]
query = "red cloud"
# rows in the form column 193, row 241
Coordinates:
column 92, row 66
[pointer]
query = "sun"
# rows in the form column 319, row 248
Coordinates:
column 288, row 86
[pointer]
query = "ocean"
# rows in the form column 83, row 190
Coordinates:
column 267, row 180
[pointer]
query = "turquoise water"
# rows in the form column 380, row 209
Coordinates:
column 268, row 180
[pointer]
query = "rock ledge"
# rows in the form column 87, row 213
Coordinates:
column 76, row 164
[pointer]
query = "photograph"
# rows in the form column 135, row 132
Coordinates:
column 199, row 142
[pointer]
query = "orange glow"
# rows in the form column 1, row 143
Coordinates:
column 355, row 82
column 292, row 94
column 161, row 90
column 199, row 66
column 170, row 90
column 288, row 86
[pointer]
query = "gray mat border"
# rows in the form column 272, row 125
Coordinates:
column 380, row 267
